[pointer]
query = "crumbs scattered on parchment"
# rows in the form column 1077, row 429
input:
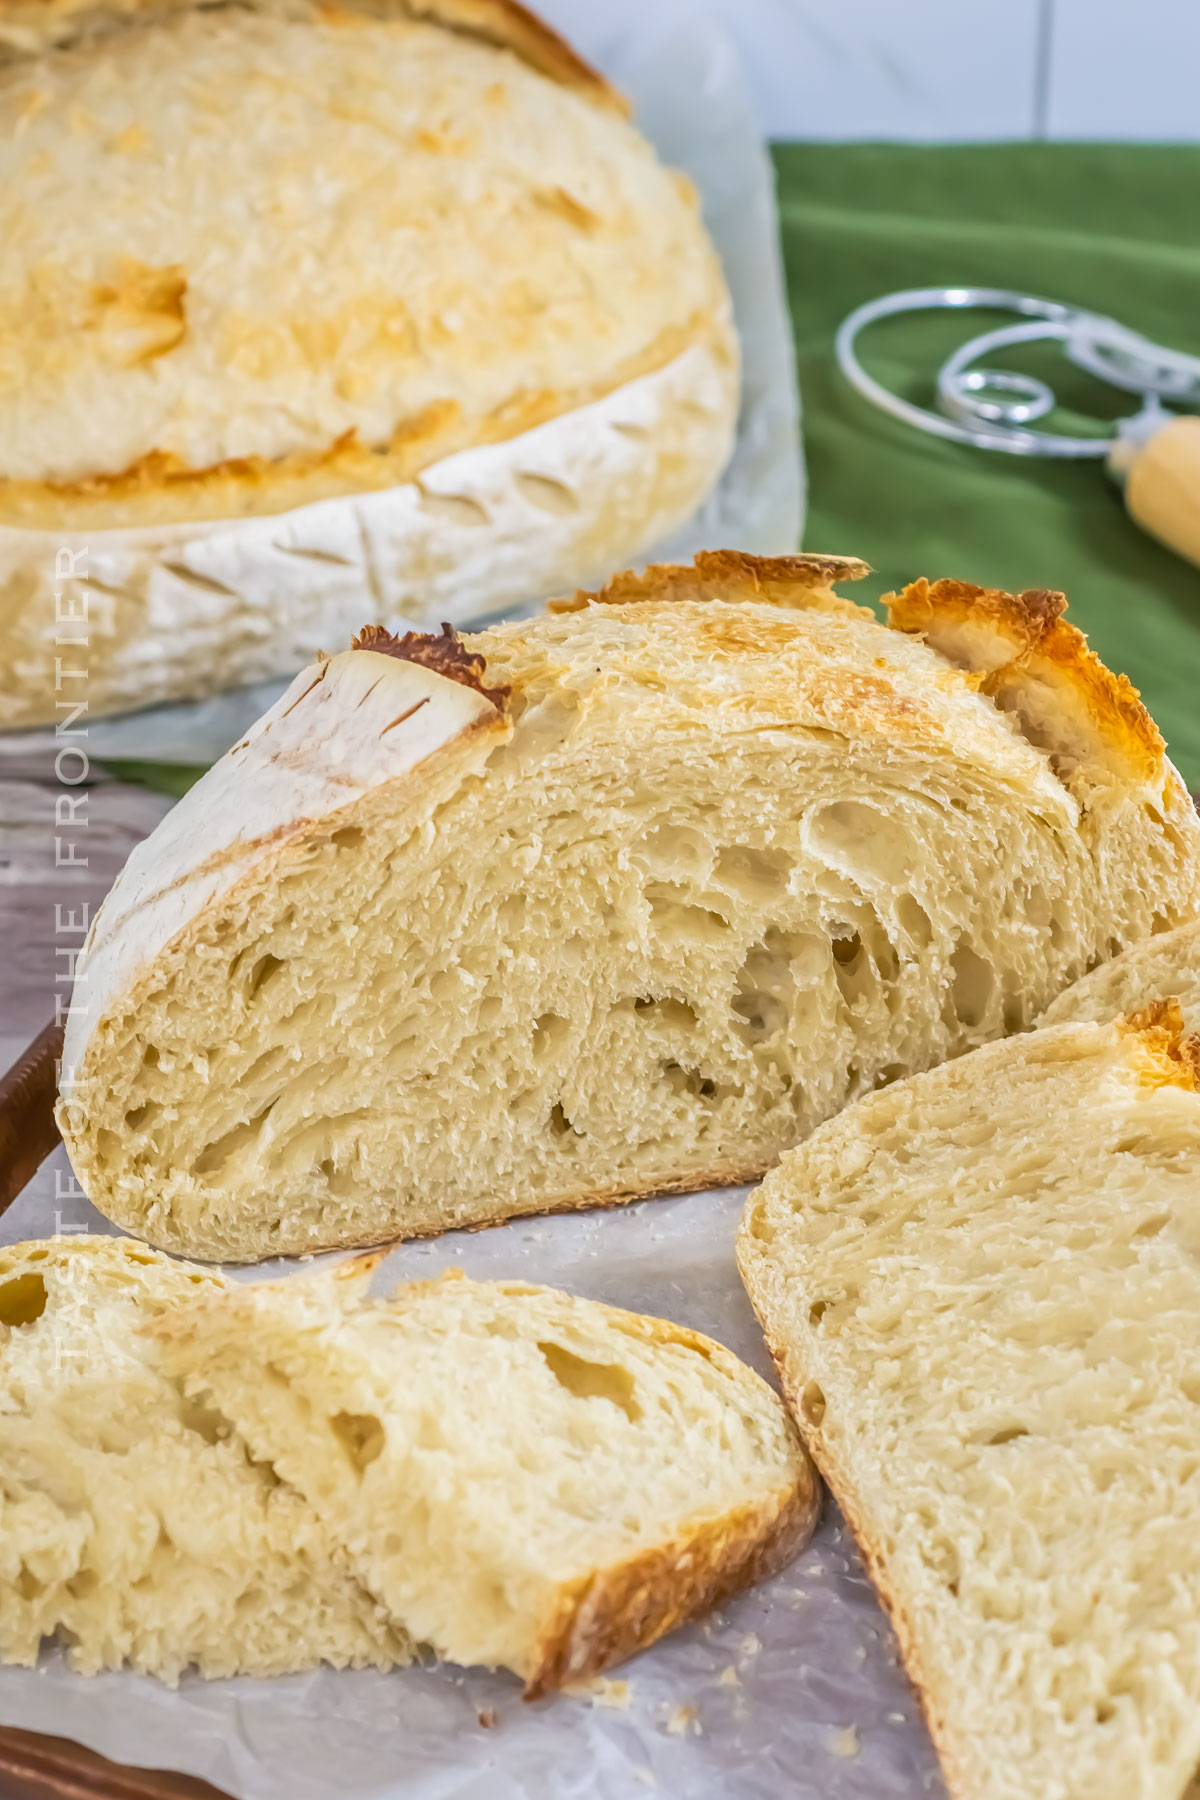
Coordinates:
column 845, row 1743
column 751, row 1644
column 487, row 1717
column 646, row 1777
column 602, row 1692
column 729, row 1677
column 683, row 1719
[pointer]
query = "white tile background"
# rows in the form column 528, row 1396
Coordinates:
column 951, row 69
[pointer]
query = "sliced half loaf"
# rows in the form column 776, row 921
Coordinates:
column 526, row 1479
column 982, row 1288
column 603, row 904
column 1158, row 968
column 133, row 1525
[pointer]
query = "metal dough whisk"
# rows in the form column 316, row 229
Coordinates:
column 1154, row 454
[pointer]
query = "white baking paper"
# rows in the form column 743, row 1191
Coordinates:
column 681, row 71
column 793, row 1692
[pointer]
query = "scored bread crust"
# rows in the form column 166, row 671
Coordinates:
column 1032, row 662
column 289, row 457
column 161, row 903
column 1163, row 1054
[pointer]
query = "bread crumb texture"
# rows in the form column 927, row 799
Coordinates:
column 134, row 1526
column 982, row 1289
column 408, row 960
column 527, row 1480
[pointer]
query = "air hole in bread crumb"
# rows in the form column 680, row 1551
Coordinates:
column 28, row 1586
column 348, row 838
column 972, row 986
column 674, row 1014
column 360, row 1435
column 266, row 966
column 1105, row 1710
column 689, row 1081
column 1009, row 1434
column 753, row 875
column 817, row 1311
column 1149, row 1227
column 23, row 1299
column 812, row 1403
column 914, row 921
column 217, row 1153
column 150, row 1056
column 592, row 1380
column 550, row 1032
column 1190, row 1388
column 560, row 1125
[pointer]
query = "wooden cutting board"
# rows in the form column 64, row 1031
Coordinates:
column 33, row 1767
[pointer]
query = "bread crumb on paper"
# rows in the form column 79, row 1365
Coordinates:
column 602, row 1692
column 751, row 1644
column 845, row 1743
column 729, row 1677
column 487, row 1717
column 683, row 1719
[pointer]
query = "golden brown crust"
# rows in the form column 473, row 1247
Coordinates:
column 446, row 655
column 618, row 1611
column 34, row 25
column 804, row 582
column 1036, row 665
column 1173, row 1056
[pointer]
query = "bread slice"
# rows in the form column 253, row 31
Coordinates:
column 982, row 1289
column 527, row 1480
column 409, row 322
column 1158, row 968
column 618, row 901
column 134, row 1527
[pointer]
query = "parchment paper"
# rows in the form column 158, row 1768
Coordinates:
column 791, row 1693
column 681, row 72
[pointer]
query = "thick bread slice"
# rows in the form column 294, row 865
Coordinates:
column 134, row 1527
column 1159, row 968
column 603, row 904
column 982, row 1289
column 527, row 1480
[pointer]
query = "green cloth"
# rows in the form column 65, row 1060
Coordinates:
column 1111, row 227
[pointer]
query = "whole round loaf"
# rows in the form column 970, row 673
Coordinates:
column 304, row 305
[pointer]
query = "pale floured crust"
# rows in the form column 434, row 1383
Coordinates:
column 178, row 611
column 803, row 581
column 1032, row 663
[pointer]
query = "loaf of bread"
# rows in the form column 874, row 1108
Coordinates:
column 134, row 1527
column 603, row 904
column 527, row 1480
column 1158, row 968
column 982, row 1290
column 311, row 312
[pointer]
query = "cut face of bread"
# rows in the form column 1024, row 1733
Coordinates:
column 982, row 1290
column 1157, row 969
column 597, row 905
column 343, row 277
column 526, row 1479
column 134, row 1527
